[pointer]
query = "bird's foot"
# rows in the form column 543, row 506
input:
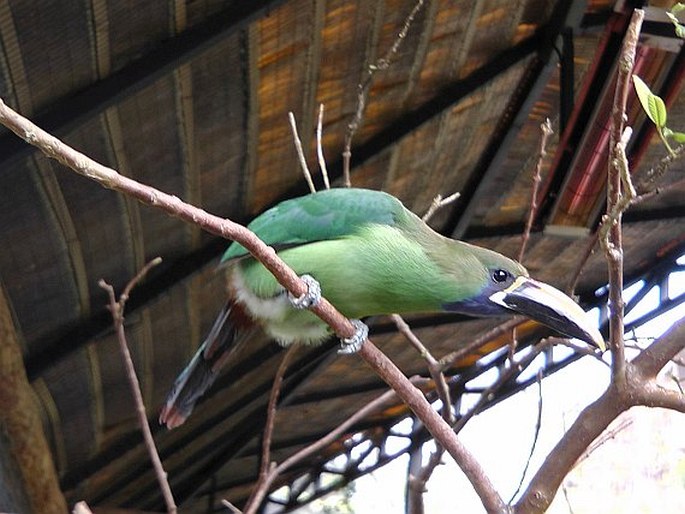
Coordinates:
column 353, row 344
column 308, row 299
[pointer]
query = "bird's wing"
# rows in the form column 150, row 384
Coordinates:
column 328, row 214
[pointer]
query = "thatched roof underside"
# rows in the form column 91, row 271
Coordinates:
column 192, row 98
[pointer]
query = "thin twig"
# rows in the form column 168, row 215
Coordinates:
column 363, row 89
column 433, row 365
column 451, row 359
column 300, row 153
column 438, row 203
column 536, row 435
column 546, row 128
column 117, row 310
column 506, row 373
column 319, row 148
column 81, row 508
column 271, row 412
column 231, row 507
column 332, row 436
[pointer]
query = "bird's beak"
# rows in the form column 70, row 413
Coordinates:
column 550, row 307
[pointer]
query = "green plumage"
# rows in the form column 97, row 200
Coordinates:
column 370, row 256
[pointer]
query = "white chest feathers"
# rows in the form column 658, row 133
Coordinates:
column 277, row 316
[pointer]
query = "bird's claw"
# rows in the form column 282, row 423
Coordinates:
column 353, row 344
column 308, row 299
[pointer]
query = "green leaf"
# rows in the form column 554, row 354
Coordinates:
column 680, row 31
column 652, row 104
column 680, row 6
column 679, row 27
column 678, row 137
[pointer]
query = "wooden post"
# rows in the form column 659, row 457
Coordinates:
column 29, row 480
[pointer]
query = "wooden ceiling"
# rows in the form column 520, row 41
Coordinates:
column 192, row 97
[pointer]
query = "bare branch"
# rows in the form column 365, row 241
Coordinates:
column 117, row 310
column 438, row 203
column 454, row 357
column 231, row 507
column 109, row 178
column 81, row 508
column 536, row 435
column 271, row 412
column 433, row 366
column 653, row 395
column 319, row 148
column 652, row 359
column 363, row 89
column 546, row 128
column 300, row 153
column 618, row 170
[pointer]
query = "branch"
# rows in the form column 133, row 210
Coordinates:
column 653, row 358
column 267, row 467
column 363, row 89
column 454, row 357
column 109, row 178
column 588, row 426
column 438, row 203
column 319, row 148
column 437, row 426
column 300, row 153
column 618, row 170
column 639, row 388
column 546, row 128
column 117, row 310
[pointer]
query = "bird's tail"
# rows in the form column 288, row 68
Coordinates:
column 222, row 341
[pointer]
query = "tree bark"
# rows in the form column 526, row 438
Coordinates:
column 29, row 480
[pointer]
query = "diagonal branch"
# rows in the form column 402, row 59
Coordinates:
column 656, row 356
column 384, row 367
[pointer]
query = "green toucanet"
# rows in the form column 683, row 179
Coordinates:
column 370, row 256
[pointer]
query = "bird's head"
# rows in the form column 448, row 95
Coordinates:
column 503, row 285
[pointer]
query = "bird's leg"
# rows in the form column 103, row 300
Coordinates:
column 308, row 299
column 353, row 344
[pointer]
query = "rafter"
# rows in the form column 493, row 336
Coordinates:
column 67, row 114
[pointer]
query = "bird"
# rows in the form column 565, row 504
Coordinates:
column 368, row 255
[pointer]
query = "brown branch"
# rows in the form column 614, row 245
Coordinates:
column 319, row 148
column 454, row 357
column 433, row 365
column 263, row 487
column 618, row 165
column 620, row 395
column 638, row 388
column 438, row 203
column 536, row 435
column 300, row 153
column 651, row 360
column 363, row 89
column 225, row 228
column 266, row 465
column 117, row 310
column 546, row 128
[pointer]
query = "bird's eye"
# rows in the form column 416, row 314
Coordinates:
column 500, row 275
